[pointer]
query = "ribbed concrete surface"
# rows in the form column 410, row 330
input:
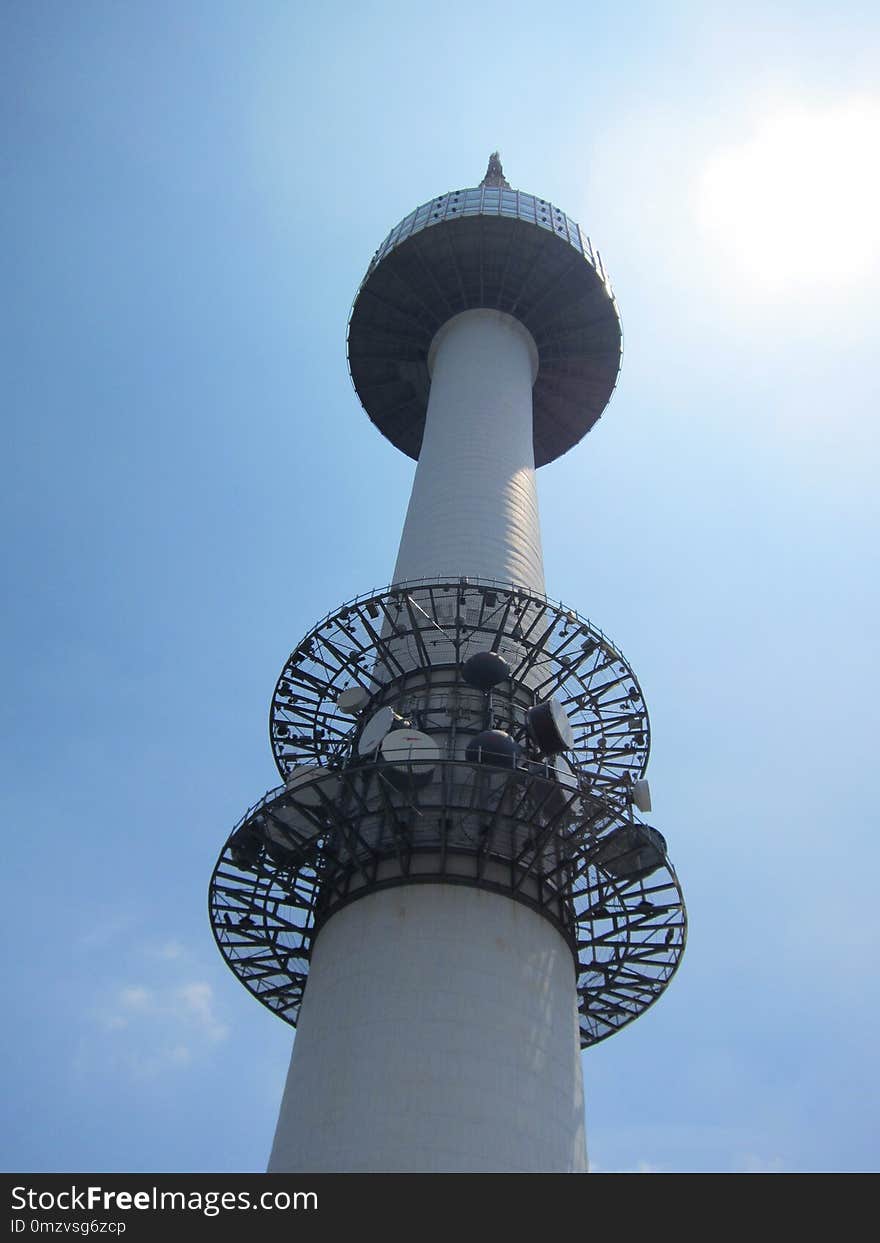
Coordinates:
column 438, row 1034
column 474, row 505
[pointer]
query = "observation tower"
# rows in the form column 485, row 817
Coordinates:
column 452, row 892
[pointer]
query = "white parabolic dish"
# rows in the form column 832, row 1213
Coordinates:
column 404, row 746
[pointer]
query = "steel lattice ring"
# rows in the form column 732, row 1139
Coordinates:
column 602, row 878
column 552, row 649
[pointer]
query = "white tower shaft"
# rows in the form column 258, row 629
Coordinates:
column 438, row 1031
column 474, row 504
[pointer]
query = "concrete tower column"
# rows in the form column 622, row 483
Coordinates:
column 438, row 1034
column 474, row 505
column 438, row 1031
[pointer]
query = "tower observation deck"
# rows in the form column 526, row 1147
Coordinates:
column 452, row 891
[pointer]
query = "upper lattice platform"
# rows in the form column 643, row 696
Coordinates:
column 496, row 247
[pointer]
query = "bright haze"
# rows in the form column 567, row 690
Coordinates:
column 192, row 193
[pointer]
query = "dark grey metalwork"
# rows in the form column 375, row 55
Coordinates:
column 301, row 854
column 486, row 247
column 405, row 645
column 557, row 833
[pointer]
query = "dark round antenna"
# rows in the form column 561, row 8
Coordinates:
column 485, row 670
column 550, row 727
column 493, row 746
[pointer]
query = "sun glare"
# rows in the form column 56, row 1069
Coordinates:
column 797, row 203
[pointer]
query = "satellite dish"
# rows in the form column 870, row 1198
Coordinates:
column 244, row 847
column 564, row 772
column 411, row 755
column 283, row 849
column 283, row 832
column 550, row 727
column 631, row 852
column 292, row 821
column 309, row 795
column 568, row 783
column 405, row 746
column 641, row 795
column 351, row 700
column 493, row 746
column 485, row 670
column 298, row 776
column 555, row 791
column 376, row 728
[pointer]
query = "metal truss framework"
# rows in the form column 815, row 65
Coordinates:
column 559, row 835
column 377, row 641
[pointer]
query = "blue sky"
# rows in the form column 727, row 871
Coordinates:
column 192, row 192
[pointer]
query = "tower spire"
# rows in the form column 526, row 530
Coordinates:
column 495, row 173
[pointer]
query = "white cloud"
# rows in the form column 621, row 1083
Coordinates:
column 641, row 1167
column 107, row 931
column 189, row 1005
column 752, row 1164
column 168, row 951
column 151, row 1028
column 135, row 998
column 197, row 999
